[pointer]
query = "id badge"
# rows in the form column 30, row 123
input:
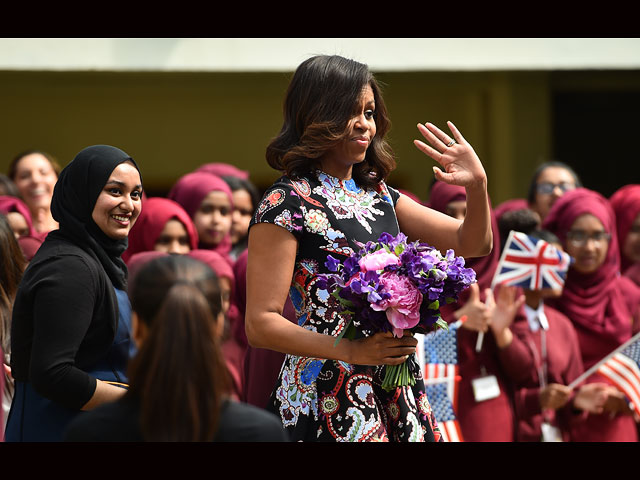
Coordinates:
column 550, row 433
column 485, row 388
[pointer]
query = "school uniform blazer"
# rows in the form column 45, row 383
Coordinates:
column 64, row 321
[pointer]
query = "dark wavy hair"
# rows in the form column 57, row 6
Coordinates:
column 179, row 373
column 237, row 183
column 531, row 194
column 321, row 99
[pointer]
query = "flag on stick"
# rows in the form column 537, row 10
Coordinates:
column 622, row 368
column 441, row 377
column 531, row 263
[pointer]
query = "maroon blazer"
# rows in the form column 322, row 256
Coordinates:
column 564, row 364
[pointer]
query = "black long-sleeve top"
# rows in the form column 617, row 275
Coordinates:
column 64, row 321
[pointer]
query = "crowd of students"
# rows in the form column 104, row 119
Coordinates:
column 531, row 345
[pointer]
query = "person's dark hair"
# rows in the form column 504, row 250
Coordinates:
column 237, row 183
column 521, row 220
column 12, row 265
column 14, row 163
column 545, row 235
column 531, row 195
column 179, row 373
column 7, row 187
column 320, row 101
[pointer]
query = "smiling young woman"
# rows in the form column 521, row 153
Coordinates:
column 118, row 205
column 70, row 335
column 35, row 174
column 334, row 161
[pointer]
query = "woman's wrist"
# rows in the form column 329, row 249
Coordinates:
column 477, row 187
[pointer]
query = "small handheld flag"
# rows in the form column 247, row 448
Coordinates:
column 622, row 368
column 531, row 263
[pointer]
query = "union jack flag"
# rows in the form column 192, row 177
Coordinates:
column 439, row 361
column 531, row 263
column 622, row 368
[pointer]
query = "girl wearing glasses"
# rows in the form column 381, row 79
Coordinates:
column 550, row 181
column 601, row 303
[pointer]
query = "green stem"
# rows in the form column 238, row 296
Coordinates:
column 397, row 376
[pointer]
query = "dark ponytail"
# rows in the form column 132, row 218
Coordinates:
column 179, row 374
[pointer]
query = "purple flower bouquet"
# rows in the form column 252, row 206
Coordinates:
column 391, row 286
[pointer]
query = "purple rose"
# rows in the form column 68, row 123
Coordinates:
column 403, row 305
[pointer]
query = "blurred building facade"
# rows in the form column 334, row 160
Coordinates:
column 174, row 104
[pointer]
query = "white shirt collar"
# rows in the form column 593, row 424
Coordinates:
column 536, row 318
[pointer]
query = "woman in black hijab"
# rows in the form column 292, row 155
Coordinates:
column 70, row 334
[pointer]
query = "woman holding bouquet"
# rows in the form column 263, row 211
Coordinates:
column 332, row 195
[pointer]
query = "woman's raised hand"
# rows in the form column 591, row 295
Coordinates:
column 461, row 164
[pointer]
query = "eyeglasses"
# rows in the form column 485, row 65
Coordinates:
column 580, row 238
column 548, row 187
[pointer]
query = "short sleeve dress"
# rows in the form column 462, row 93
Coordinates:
column 322, row 399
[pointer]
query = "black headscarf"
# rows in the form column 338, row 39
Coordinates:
column 74, row 198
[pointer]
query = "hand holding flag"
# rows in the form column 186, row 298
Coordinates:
column 622, row 368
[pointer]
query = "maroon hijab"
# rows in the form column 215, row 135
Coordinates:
column 223, row 170
column 599, row 302
column 30, row 245
column 626, row 206
column 218, row 264
column 9, row 204
column 510, row 205
column 223, row 268
column 156, row 212
column 191, row 189
column 440, row 196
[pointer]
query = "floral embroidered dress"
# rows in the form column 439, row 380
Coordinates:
column 328, row 400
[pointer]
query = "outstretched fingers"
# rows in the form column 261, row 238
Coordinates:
column 436, row 137
column 456, row 133
column 429, row 151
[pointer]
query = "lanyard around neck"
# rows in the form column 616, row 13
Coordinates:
column 540, row 358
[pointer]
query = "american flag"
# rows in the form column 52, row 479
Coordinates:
column 622, row 369
column 531, row 263
column 440, row 371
